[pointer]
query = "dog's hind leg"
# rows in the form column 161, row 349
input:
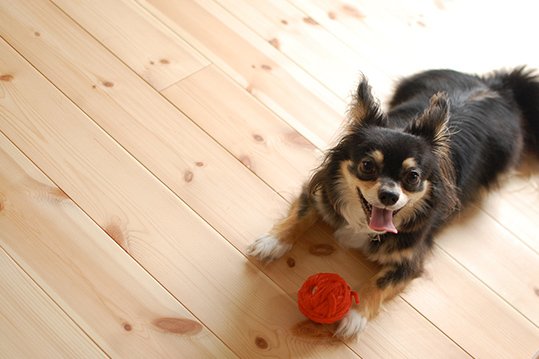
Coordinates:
column 301, row 215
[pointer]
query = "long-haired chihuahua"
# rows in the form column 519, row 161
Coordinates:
column 396, row 177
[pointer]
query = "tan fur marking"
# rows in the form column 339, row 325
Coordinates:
column 409, row 163
column 372, row 297
column 290, row 228
column 377, row 156
column 368, row 189
column 394, row 257
column 352, row 180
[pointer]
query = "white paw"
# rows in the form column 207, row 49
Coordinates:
column 267, row 248
column 351, row 326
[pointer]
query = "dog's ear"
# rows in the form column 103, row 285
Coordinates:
column 365, row 109
column 432, row 124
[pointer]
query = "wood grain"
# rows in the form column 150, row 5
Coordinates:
column 28, row 315
column 482, row 323
column 93, row 280
column 143, row 43
column 305, row 41
column 269, row 147
column 289, row 91
column 175, row 149
column 496, row 257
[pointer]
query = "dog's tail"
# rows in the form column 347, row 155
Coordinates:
column 524, row 85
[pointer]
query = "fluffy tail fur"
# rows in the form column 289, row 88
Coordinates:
column 524, row 85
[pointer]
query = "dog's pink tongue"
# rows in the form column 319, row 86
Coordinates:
column 382, row 220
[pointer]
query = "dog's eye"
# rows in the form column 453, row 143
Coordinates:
column 367, row 167
column 412, row 178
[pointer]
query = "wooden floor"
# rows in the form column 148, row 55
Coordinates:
column 145, row 143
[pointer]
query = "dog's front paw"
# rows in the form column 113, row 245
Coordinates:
column 267, row 248
column 351, row 326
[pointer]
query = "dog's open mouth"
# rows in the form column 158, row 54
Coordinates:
column 380, row 219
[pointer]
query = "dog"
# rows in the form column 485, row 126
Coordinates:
column 396, row 177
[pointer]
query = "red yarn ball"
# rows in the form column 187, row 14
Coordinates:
column 325, row 298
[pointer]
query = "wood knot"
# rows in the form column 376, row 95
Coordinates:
column 188, row 176
column 258, row 138
column 321, row 250
column 291, row 262
column 332, row 15
column 275, row 43
column 261, row 342
column 37, row 34
column 284, row 22
column 127, row 327
column 164, row 61
column 6, row 78
column 57, row 192
column 246, row 160
column 180, row 326
column 107, row 83
column 310, row 21
column 536, row 291
column 352, row 11
column 199, row 164
column 116, row 231
column 439, row 4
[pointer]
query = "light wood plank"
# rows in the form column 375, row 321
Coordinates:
column 496, row 257
column 514, row 206
column 143, row 43
column 31, row 324
column 253, row 134
column 199, row 267
column 470, row 313
column 372, row 36
column 406, row 37
column 141, row 120
column 307, row 43
column 304, row 103
column 123, row 309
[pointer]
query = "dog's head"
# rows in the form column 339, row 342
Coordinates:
column 395, row 174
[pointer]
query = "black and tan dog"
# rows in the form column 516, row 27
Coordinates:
column 395, row 178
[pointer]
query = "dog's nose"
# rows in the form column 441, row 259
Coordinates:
column 388, row 197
